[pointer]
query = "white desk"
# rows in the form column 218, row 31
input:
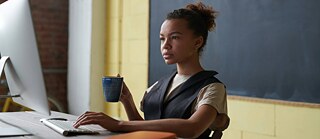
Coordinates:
column 30, row 121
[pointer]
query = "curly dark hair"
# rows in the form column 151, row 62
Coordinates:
column 200, row 18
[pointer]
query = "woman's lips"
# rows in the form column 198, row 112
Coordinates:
column 167, row 56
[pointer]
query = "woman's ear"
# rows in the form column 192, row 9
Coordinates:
column 198, row 42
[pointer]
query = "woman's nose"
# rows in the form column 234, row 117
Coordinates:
column 166, row 44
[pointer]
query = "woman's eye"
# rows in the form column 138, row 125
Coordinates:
column 161, row 40
column 174, row 37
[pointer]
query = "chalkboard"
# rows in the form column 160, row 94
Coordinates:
column 261, row 48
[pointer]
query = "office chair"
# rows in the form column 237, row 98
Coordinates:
column 221, row 123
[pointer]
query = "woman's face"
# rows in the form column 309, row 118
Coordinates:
column 178, row 44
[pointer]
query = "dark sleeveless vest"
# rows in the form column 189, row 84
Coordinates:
column 179, row 104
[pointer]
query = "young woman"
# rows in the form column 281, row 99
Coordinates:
column 185, row 102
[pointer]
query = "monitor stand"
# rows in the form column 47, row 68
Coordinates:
column 7, row 129
column 3, row 62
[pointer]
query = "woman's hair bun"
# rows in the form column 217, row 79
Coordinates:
column 207, row 13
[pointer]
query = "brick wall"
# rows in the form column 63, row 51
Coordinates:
column 50, row 18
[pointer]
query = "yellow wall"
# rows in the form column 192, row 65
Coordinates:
column 265, row 119
column 98, row 43
column 127, row 47
column 127, row 54
column 113, row 46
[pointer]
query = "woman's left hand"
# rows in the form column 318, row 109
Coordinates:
column 100, row 118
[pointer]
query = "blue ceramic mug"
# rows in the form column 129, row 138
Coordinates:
column 112, row 88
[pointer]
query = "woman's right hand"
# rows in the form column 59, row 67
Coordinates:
column 125, row 94
column 127, row 100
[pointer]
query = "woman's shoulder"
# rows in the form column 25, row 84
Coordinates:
column 149, row 89
column 215, row 87
column 213, row 94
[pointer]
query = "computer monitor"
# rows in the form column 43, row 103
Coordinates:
column 22, row 69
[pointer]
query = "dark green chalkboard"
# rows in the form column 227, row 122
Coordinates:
column 261, row 48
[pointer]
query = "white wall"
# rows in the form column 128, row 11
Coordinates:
column 87, row 27
column 80, row 14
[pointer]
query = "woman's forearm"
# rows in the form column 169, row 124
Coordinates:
column 131, row 109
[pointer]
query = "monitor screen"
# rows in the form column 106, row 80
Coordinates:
column 22, row 69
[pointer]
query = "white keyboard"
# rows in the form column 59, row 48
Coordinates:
column 66, row 127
